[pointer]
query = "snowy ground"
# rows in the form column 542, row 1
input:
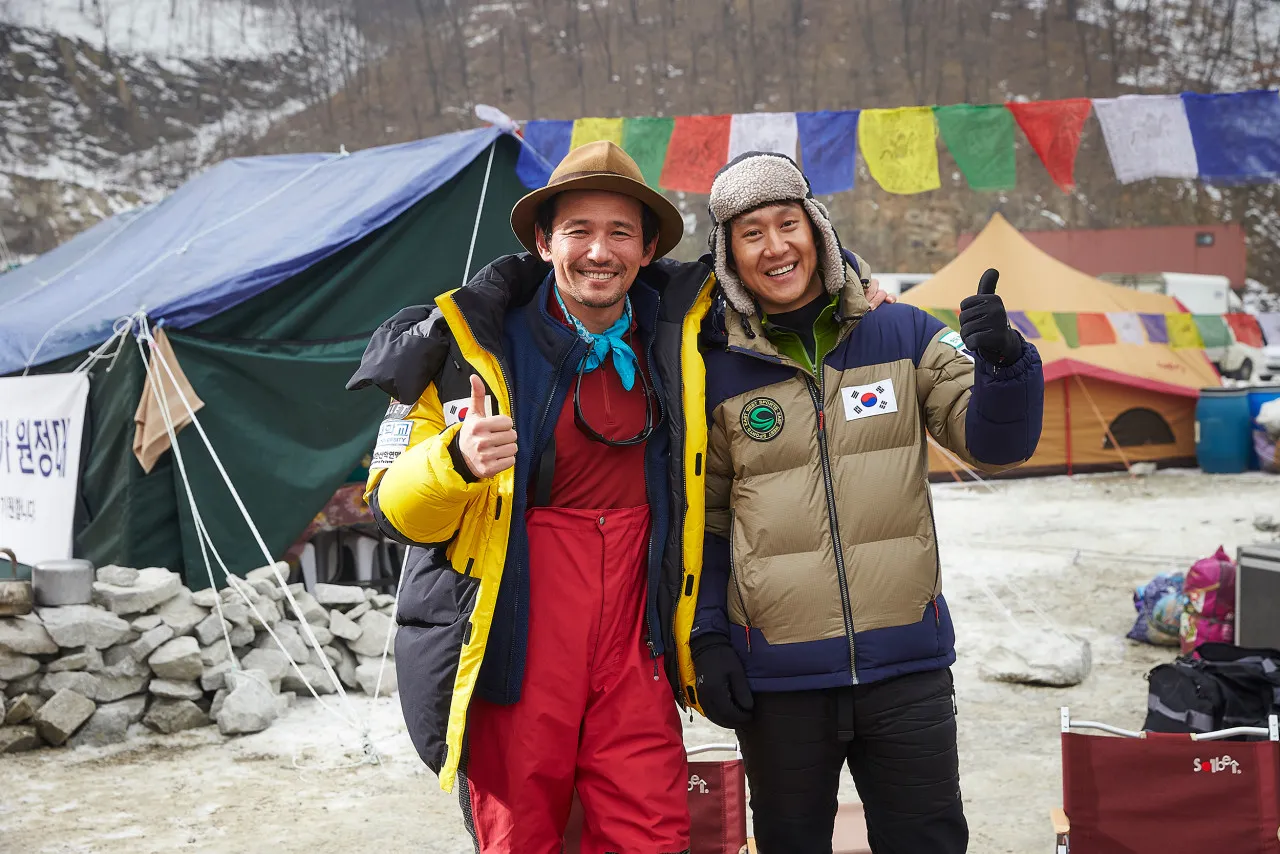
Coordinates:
column 299, row 787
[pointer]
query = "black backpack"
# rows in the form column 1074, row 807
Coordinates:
column 1215, row 687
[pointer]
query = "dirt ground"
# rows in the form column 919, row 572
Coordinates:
column 1011, row 553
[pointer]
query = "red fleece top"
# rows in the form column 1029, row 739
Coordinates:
column 590, row 475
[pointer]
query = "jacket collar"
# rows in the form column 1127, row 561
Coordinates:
column 748, row 333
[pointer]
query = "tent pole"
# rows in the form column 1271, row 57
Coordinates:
column 475, row 229
column 1066, row 415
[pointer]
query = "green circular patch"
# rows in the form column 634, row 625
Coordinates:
column 762, row 419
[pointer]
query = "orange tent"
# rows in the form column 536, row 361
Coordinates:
column 1106, row 405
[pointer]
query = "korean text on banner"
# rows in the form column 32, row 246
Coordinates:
column 41, row 425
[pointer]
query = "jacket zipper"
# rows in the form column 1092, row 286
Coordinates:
column 648, row 624
column 816, row 393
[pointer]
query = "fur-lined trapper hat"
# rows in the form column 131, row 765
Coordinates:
column 750, row 181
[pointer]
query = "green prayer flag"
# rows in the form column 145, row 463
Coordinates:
column 645, row 139
column 947, row 316
column 980, row 138
column 1213, row 330
column 1068, row 325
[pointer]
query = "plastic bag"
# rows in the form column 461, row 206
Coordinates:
column 1159, row 604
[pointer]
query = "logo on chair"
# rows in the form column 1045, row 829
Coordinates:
column 1216, row 765
column 700, row 784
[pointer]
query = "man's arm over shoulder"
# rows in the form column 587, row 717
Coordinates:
column 988, row 415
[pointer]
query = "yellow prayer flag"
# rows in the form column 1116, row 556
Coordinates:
column 1183, row 331
column 901, row 148
column 593, row 130
column 1045, row 324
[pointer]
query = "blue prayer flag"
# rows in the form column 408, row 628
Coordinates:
column 828, row 148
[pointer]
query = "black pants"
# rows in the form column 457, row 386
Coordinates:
column 898, row 738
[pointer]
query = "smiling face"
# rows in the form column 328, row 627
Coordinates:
column 596, row 245
column 775, row 254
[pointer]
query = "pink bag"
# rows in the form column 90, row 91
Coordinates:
column 1210, row 587
column 1197, row 629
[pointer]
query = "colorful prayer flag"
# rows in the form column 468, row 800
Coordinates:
column 1053, row 129
column 1270, row 323
column 1157, row 328
column 1148, row 136
column 594, row 130
column 1213, row 330
column 1182, row 330
column 1127, row 326
column 646, row 139
column 1237, row 136
column 1023, row 324
column 699, row 147
column 1067, row 325
column 1246, row 329
column 947, row 316
column 901, row 148
column 980, row 138
column 828, row 146
column 1045, row 323
column 549, row 141
column 774, row 132
column 1093, row 328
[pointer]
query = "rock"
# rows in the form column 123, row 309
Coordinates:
column 4, row 710
column 346, row 666
column 236, row 612
column 209, row 630
column 170, row 716
column 151, row 641
column 168, row 689
column 285, row 701
column 312, row 611
column 16, row 739
column 250, row 706
column 334, row 595
column 214, row 653
column 181, row 614
column 122, row 676
column 389, row 611
column 179, row 659
column 268, row 612
column 324, row 637
column 83, row 625
column 359, row 611
column 27, row 685
column 268, row 573
column 374, row 628
column 333, row 656
column 23, row 708
column 1036, row 657
column 272, row 662
column 238, row 589
column 26, row 636
column 120, row 661
column 120, row 576
column 86, row 659
column 367, row 676
column 110, row 723
column 14, row 666
column 382, row 600
column 84, row 684
column 242, row 635
column 369, row 593
column 290, row 640
column 312, row 674
column 152, row 587
column 65, row 712
column 146, row 623
column 342, row 626
column 267, row 589
column 206, row 598
column 213, row 677
column 218, row 699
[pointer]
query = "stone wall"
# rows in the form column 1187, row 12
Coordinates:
column 150, row 653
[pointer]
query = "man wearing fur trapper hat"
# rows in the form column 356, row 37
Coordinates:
column 814, row 621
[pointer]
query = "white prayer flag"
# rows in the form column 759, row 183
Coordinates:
column 774, row 132
column 1148, row 136
column 1270, row 323
column 1128, row 327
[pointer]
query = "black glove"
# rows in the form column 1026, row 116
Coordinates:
column 722, row 686
column 984, row 324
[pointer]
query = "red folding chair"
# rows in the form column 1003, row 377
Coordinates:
column 1162, row 792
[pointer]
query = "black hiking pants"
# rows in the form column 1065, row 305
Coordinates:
column 898, row 738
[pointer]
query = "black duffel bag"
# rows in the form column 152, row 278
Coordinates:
column 1216, row 686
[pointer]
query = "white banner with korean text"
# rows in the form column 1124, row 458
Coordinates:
column 42, row 421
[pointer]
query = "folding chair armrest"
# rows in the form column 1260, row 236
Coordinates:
column 1061, row 824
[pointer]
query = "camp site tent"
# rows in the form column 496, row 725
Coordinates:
column 1105, row 404
column 268, row 275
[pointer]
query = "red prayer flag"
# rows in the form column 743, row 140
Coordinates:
column 1246, row 329
column 1053, row 129
column 1094, row 328
column 699, row 147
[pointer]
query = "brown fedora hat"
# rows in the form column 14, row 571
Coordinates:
column 599, row 165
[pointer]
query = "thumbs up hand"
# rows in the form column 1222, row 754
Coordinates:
column 487, row 442
column 984, row 324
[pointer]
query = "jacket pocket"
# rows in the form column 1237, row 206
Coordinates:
column 477, row 523
column 735, row 582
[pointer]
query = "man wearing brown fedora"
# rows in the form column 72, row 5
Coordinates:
column 525, row 459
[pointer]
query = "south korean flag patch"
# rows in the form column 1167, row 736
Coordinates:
column 864, row 401
column 456, row 410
